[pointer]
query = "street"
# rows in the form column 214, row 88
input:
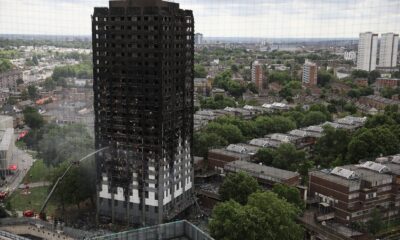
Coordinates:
column 23, row 161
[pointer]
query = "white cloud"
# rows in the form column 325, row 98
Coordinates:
column 237, row 18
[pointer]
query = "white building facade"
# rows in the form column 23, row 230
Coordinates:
column 367, row 51
column 388, row 50
column 350, row 56
column 198, row 38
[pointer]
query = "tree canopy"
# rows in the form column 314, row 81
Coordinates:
column 199, row 71
column 5, row 65
column 370, row 143
column 238, row 186
column 290, row 194
column 265, row 216
column 33, row 118
column 77, row 186
column 203, row 141
column 217, row 102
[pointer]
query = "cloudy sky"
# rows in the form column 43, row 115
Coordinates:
column 219, row 18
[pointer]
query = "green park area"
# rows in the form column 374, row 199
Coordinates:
column 39, row 172
column 20, row 201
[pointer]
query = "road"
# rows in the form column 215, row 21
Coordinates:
column 23, row 161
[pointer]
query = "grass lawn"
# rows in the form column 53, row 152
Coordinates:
column 38, row 172
column 33, row 201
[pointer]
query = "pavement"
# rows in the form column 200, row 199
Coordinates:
column 24, row 162
column 35, row 184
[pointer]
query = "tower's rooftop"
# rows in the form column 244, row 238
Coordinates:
column 139, row 3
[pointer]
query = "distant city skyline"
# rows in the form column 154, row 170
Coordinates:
column 220, row 18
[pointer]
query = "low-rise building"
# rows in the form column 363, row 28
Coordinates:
column 276, row 106
column 354, row 191
column 351, row 123
column 387, row 83
column 202, row 86
column 265, row 175
column 217, row 158
column 377, row 102
column 6, row 148
column 218, row 91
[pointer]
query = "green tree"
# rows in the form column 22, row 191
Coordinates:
column 350, row 107
column 324, row 78
column 77, row 185
column 49, row 84
column 373, row 75
column 280, row 216
column 266, row 216
column 5, row 65
column 24, row 95
column 238, row 186
column 331, row 146
column 371, row 143
column 288, row 157
column 230, row 132
column 252, row 87
column 218, row 102
column 203, row 141
column 32, row 92
column 248, row 128
column 35, row 60
column 313, row 118
column 321, row 108
column 20, row 81
column 359, row 74
column 375, row 224
column 232, row 221
column 33, row 118
column 379, row 120
column 286, row 93
column 265, row 156
column 290, row 194
column 280, row 77
column 199, row 71
column 281, row 124
column 234, row 68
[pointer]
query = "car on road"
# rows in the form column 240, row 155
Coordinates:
column 28, row 213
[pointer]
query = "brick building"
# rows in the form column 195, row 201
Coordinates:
column 387, row 83
column 377, row 102
column 217, row 158
column 257, row 76
column 354, row 191
column 310, row 74
column 265, row 175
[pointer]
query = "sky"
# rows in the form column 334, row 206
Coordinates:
column 219, row 18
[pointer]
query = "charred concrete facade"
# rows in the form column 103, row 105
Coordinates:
column 143, row 54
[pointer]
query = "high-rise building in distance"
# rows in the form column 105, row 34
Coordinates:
column 367, row 51
column 257, row 75
column 143, row 55
column 198, row 38
column 388, row 50
column 310, row 73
